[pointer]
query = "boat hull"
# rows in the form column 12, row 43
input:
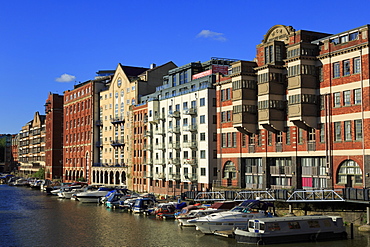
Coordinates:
column 254, row 238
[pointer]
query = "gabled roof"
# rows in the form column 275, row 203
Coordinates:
column 132, row 71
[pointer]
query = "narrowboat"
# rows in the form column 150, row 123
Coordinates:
column 291, row 229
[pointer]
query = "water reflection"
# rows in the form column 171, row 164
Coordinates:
column 30, row 218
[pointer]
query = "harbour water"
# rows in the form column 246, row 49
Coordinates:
column 31, row 218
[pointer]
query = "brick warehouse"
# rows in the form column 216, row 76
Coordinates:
column 300, row 110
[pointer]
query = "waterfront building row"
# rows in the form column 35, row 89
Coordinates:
column 295, row 116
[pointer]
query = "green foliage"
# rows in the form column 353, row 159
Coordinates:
column 82, row 179
column 40, row 173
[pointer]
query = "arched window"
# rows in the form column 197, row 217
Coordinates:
column 349, row 173
column 229, row 170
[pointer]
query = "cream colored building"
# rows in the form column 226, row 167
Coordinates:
column 115, row 151
column 32, row 145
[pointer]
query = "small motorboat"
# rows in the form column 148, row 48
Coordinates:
column 92, row 195
column 168, row 210
column 200, row 211
column 20, row 182
column 236, row 217
column 144, row 205
column 291, row 229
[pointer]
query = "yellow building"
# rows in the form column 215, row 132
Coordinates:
column 115, row 152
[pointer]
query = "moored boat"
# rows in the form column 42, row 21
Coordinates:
column 92, row 195
column 201, row 211
column 236, row 217
column 291, row 229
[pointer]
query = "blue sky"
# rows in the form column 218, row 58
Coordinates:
column 44, row 40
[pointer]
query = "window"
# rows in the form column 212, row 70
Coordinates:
column 336, row 99
column 202, row 119
column 347, row 98
column 346, row 68
column 336, row 70
column 353, row 36
column 202, row 171
column 356, row 65
column 322, row 133
column 223, row 140
column 320, row 73
column 287, row 136
column 358, row 129
column 347, row 131
column 203, row 136
column 279, row 137
column 300, row 136
column 185, row 106
column 202, row 102
column 337, row 132
column 269, row 138
column 202, row 154
column 349, row 171
column 357, row 96
column 269, row 54
column 312, row 134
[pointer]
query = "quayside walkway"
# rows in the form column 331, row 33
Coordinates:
column 302, row 196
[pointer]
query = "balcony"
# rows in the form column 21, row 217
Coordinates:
column 157, row 117
column 279, row 147
column 191, row 161
column 174, row 114
column 190, row 145
column 148, row 133
column 160, row 131
column 192, row 127
column 175, row 130
column 159, row 146
column 159, row 162
column 311, row 146
column 148, row 174
column 190, row 111
column 148, row 161
column 148, row 146
column 174, row 176
column 158, row 176
column 174, row 161
column 117, row 143
column 277, row 170
column 190, row 177
column 174, row 145
column 117, row 120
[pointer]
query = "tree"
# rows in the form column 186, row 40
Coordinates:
column 40, row 173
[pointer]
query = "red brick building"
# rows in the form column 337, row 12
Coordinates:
column 296, row 117
column 54, row 137
column 81, row 110
column 140, row 174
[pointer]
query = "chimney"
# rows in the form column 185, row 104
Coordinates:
column 153, row 65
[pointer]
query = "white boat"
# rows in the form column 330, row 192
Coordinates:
column 236, row 217
column 291, row 229
column 92, row 195
column 197, row 211
column 21, row 182
column 67, row 192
